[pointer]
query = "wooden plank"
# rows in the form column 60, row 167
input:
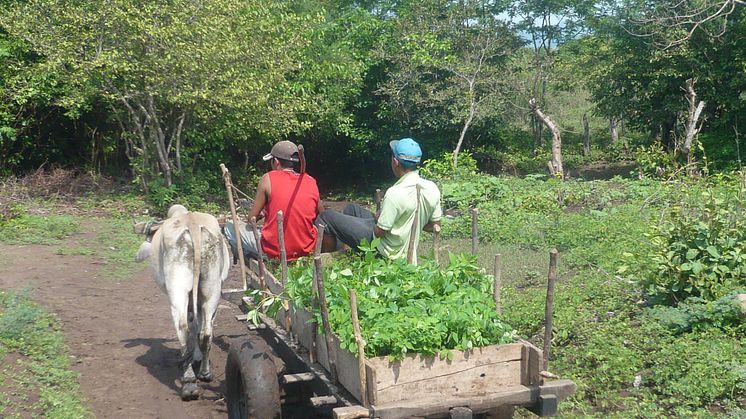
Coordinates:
column 527, row 396
column 560, row 388
column 414, row 368
column 351, row 412
column 372, row 377
column 434, row 405
column 534, row 365
column 298, row 378
column 477, row 380
column 319, row 401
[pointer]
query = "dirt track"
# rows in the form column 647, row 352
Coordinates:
column 120, row 334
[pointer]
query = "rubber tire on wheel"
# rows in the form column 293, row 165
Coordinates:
column 252, row 387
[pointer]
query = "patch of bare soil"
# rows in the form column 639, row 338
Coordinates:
column 121, row 337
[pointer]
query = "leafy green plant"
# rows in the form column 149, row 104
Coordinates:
column 406, row 309
column 442, row 167
column 698, row 315
column 700, row 247
column 654, row 161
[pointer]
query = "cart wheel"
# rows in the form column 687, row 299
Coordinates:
column 252, row 387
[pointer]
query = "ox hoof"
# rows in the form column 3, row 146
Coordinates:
column 206, row 377
column 189, row 391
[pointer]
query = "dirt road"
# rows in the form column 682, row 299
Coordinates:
column 121, row 337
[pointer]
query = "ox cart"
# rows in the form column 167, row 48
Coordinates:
column 273, row 372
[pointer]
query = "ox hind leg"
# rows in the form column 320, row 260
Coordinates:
column 179, row 312
column 208, row 309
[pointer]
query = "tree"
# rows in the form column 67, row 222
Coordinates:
column 672, row 24
column 162, row 67
column 30, row 96
column 547, row 24
column 445, row 61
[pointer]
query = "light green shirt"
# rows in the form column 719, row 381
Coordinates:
column 398, row 213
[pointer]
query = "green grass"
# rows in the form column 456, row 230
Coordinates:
column 36, row 376
column 37, row 229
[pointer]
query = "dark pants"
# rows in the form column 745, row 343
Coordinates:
column 350, row 226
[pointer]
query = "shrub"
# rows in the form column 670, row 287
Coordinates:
column 654, row 161
column 698, row 315
column 700, row 247
column 442, row 168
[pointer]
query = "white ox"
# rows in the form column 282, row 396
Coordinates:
column 187, row 253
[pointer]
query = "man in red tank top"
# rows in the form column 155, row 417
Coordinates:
column 282, row 189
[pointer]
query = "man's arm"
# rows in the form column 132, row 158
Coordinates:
column 260, row 200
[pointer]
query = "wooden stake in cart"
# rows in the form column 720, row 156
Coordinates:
column 319, row 273
column 283, row 267
column 234, row 216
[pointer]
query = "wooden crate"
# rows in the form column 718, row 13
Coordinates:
column 475, row 372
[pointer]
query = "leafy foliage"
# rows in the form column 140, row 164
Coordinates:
column 406, row 309
column 697, row 315
column 698, row 249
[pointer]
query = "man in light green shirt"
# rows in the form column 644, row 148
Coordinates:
column 411, row 205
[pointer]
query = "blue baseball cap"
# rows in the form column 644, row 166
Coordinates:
column 407, row 151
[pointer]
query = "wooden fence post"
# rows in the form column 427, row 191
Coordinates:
column 498, row 284
column 317, row 270
column 548, row 313
column 474, row 232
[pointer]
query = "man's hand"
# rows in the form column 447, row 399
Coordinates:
column 432, row 227
column 378, row 231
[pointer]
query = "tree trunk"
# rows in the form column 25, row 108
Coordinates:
column 613, row 130
column 176, row 136
column 159, row 138
column 555, row 165
column 467, row 123
column 586, row 136
column 538, row 130
column 694, row 112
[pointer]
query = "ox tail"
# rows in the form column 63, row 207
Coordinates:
column 195, row 230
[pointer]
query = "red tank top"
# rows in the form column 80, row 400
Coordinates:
column 298, row 198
